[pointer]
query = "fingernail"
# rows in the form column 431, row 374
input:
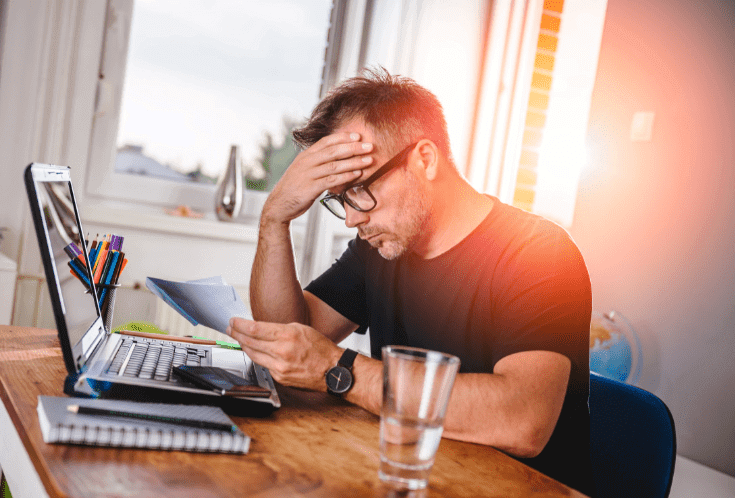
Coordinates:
column 354, row 136
column 367, row 159
column 228, row 331
column 367, row 146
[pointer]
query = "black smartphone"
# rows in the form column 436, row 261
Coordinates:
column 220, row 380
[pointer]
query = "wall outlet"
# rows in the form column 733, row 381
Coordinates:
column 641, row 129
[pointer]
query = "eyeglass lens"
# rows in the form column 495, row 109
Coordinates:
column 335, row 207
column 357, row 197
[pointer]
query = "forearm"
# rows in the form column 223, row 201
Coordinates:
column 476, row 406
column 515, row 414
column 514, row 409
column 484, row 409
column 475, row 398
column 275, row 291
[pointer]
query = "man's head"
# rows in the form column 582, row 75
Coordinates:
column 391, row 113
column 398, row 110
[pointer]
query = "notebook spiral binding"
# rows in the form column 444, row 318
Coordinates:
column 144, row 437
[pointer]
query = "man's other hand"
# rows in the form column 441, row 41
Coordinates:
column 334, row 160
column 295, row 354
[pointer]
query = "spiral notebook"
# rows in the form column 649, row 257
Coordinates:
column 59, row 425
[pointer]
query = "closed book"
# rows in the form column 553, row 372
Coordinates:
column 144, row 425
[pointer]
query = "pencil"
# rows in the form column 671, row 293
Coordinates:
column 166, row 337
column 202, row 424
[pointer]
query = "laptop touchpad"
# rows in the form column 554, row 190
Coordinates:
column 230, row 359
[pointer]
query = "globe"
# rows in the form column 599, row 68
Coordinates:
column 615, row 350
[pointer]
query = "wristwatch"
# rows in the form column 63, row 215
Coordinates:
column 339, row 377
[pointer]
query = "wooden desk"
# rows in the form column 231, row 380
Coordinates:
column 315, row 445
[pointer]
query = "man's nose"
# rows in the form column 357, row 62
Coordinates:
column 353, row 217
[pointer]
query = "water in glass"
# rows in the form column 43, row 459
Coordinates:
column 407, row 450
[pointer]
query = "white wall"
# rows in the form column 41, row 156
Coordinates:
column 656, row 220
column 49, row 60
column 47, row 90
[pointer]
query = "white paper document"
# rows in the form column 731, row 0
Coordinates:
column 209, row 301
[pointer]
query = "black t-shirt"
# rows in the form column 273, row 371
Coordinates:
column 516, row 283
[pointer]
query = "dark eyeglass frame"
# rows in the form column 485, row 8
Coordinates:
column 392, row 163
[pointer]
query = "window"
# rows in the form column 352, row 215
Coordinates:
column 536, row 86
column 563, row 151
column 183, row 81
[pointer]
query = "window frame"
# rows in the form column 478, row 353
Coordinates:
column 102, row 181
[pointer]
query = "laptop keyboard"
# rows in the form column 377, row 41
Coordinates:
column 145, row 360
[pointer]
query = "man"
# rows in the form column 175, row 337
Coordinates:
column 435, row 265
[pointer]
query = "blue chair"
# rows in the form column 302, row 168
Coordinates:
column 632, row 440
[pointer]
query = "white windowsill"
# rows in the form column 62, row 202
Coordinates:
column 111, row 214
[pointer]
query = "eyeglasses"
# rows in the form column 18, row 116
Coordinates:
column 358, row 196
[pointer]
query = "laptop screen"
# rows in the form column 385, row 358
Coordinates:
column 75, row 307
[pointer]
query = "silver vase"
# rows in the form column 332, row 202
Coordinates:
column 228, row 198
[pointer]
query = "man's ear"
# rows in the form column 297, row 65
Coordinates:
column 428, row 156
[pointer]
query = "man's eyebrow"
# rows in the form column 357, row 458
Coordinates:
column 358, row 181
column 349, row 185
column 344, row 187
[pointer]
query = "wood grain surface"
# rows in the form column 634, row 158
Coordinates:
column 315, row 445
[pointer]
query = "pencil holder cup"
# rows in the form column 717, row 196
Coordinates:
column 107, row 317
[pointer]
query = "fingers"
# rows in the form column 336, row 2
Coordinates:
column 255, row 339
column 341, row 163
column 264, row 346
column 350, row 140
column 263, row 331
column 340, row 152
column 335, row 160
column 340, row 172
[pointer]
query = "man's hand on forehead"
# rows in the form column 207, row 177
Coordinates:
column 335, row 161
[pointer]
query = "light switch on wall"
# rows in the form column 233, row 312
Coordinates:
column 641, row 129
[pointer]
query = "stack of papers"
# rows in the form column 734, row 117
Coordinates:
column 209, row 301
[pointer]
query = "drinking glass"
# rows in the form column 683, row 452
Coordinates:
column 417, row 384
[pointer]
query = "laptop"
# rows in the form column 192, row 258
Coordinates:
column 111, row 365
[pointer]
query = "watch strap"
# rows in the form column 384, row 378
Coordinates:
column 348, row 358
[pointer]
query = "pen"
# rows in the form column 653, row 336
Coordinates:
column 70, row 251
column 79, row 272
column 99, row 264
column 106, row 277
column 202, row 424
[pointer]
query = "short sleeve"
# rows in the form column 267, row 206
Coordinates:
column 342, row 286
column 546, row 304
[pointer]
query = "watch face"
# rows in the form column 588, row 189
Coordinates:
column 339, row 379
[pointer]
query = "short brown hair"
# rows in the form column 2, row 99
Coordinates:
column 397, row 109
